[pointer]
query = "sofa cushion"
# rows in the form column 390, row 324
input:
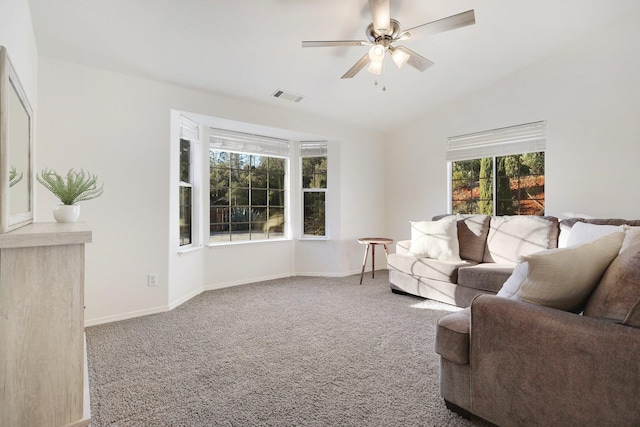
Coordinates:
column 583, row 232
column 632, row 235
column 446, row 271
column 402, row 247
column 618, row 293
column 566, row 225
column 511, row 237
column 452, row 336
column 562, row 278
column 633, row 318
column 435, row 239
column 472, row 235
column 488, row 276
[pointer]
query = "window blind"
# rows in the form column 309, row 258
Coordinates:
column 313, row 149
column 239, row 142
column 527, row 138
column 189, row 129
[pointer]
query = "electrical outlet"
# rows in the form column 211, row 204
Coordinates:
column 152, row 279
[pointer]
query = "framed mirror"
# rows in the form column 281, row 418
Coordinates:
column 16, row 145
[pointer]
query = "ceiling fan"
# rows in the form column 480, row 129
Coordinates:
column 384, row 31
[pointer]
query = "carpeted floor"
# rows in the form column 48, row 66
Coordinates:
column 289, row 352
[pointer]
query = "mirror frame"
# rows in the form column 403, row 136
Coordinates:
column 8, row 80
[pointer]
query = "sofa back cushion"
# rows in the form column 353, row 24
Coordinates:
column 562, row 278
column 566, row 225
column 511, row 237
column 617, row 296
column 435, row 239
column 472, row 235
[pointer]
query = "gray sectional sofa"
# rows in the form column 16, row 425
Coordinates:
column 514, row 363
column 489, row 249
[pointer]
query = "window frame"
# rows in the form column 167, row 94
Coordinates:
column 182, row 185
column 189, row 132
column 495, row 187
column 238, row 143
column 313, row 149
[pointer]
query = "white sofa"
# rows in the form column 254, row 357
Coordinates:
column 489, row 248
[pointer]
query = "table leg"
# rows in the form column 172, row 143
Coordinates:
column 364, row 262
column 373, row 260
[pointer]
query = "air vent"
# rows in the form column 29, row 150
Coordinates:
column 289, row 96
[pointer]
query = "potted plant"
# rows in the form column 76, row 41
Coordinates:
column 77, row 187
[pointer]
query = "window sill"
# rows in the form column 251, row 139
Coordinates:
column 246, row 242
column 314, row 238
column 189, row 249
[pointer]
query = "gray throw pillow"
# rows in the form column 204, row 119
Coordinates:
column 617, row 295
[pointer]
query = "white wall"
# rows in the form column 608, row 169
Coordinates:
column 589, row 96
column 118, row 127
column 16, row 34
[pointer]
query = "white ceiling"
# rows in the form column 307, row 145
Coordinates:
column 250, row 48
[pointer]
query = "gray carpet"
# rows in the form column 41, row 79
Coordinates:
column 289, row 352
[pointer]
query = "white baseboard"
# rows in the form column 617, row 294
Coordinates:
column 182, row 300
column 245, row 282
column 124, row 316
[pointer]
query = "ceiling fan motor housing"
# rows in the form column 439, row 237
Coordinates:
column 376, row 37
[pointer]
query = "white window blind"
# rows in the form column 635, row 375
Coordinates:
column 189, row 129
column 527, row 138
column 239, row 142
column 313, row 149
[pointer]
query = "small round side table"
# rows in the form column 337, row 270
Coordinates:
column 371, row 242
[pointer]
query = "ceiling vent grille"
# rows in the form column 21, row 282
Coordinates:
column 289, row 96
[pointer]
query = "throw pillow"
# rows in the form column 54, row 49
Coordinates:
column 472, row 235
column 435, row 239
column 562, row 278
column 511, row 237
column 619, row 290
column 582, row 232
column 632, row 235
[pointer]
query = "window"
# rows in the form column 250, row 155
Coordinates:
column 248, row 187
column 500, row 172
column 188, row 134
column 314, row 188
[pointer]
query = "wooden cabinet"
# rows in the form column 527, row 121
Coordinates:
column 42, row 325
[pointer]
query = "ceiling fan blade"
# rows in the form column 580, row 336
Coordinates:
column 363, row 62
column 381, row 15
column 415, row 60
column 445, row 24
column 335, row 43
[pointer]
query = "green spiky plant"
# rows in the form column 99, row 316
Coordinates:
column 77, row 187
column 14, row 178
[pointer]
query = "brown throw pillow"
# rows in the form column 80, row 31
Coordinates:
column 616, row 296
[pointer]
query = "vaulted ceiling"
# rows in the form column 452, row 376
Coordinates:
column 248, row 49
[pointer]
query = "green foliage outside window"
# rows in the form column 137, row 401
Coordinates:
column 314, row 184
column 247, row 196
column 519, row 179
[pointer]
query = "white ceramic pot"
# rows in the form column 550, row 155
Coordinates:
column 66, row 213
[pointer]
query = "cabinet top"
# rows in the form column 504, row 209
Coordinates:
column 46, row 234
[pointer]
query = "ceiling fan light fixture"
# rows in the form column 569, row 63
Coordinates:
column 375, row 68
column 399, row 57
column 376, row 53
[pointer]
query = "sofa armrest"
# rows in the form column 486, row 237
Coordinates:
column 402, row 247
column 531, row 363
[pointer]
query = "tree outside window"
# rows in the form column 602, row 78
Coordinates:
column 186, row 193
column 247, row 196
column 519, row 180
column 314, row 187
